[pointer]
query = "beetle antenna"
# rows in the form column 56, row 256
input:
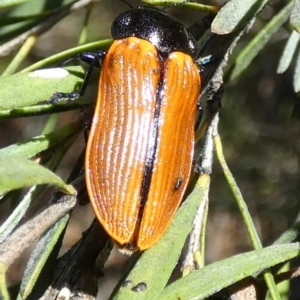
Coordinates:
column 127, row 3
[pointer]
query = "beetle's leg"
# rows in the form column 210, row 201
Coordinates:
column 198, row 169
column 94, row 60
column 203, row 61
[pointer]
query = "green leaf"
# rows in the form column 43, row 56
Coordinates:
column 236, row 14
column 36, row 145
column 296, row 79
column 3, row 288
column 155, row 266
column 256, row 45
column 61, row 56
column 30, row 11
column 42, row 109
column 30, row 88
column 16, row 172
column 289, row 236
column 12, row 221
column 295, row 16
column 188, row 4
column 245, row 214
column 40, row 256
column 204, row 282
column 10, row 3
column 288, row 52
column 14, row 218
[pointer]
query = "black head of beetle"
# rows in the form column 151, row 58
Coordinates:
column 157, row 27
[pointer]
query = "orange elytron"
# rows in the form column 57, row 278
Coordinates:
column 141, row 144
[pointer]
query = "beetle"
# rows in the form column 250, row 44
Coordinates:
column 141, row 143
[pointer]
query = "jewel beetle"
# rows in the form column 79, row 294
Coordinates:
column 141, row 142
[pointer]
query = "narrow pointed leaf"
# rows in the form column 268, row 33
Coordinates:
column 40, row 255
column 34, row 146
column 296, row 79
column 212, row 278
column 289, row 236
column 236, row 14
column 256, row 45
column 16, row 172
column 30, row 88
column 14, row 218
column 29, row 11
column 288, row 52
column 10, row 3
column 295, row 16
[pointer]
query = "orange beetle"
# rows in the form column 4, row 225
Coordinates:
column 141, row 144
